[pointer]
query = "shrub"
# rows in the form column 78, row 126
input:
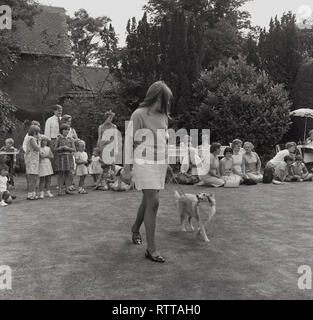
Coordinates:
column 237, row 101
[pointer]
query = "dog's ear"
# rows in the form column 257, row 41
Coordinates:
column 198, row 197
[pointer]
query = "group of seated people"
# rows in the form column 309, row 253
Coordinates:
column 240, row 164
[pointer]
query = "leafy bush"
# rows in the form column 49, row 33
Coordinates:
column 236, row 101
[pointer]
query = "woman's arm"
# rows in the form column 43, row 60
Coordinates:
column 222, row 167
column 51, row 156
column 237, row 172
column 75, row 134
column 259, row 163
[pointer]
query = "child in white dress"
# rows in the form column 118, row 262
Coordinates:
column 81, row 159
column 95, row 168
column 45, row 168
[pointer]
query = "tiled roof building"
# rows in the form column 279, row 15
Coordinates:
column 44, row 74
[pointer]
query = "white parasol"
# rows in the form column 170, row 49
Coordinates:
column 303, row 113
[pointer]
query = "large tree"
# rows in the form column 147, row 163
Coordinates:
column 279, row 50
column 93, row 39
column 174, row 40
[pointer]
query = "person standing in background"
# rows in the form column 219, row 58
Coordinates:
column 32, row 161
column 52, row 127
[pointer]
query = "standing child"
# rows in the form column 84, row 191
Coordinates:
column 64, row 147
column 81, row 159
column 95, row 167
column 10, row 159
column 299, row 169
column 5, row 196
column 45, row 168
column 31, row 158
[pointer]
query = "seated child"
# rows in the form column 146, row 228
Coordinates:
column 10, row 159
column 282, row 171
column 106, row 178
column 5, row 196
column 119, row 184
column 299, row 170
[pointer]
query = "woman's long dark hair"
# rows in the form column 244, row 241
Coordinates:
column 158, row 90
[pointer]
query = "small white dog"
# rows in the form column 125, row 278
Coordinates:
column 188, row 206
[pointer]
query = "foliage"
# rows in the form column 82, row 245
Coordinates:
column 9, row 53
column 279, row 50
column 7, row 119
column 305, row 37
column 303, row 89
column 93, row 39
column 237, row 101
column 176, row 39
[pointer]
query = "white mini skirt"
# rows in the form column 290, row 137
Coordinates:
column 149, row 176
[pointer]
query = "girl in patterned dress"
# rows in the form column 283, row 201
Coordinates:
column 32, row 161
column 45, row 168
column 65, row 148
column 81, row 160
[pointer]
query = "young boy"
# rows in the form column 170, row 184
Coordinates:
column 5, row 196
column 299, row 169
column 282, row 171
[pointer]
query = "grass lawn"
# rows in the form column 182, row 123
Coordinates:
column 78, row 247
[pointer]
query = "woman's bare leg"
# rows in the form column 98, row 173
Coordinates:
column 140, row 215
column 152, row 206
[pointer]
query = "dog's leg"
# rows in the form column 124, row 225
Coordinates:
column 201, row 229
column 203, row 232
column 181, row 211
column 190, row 223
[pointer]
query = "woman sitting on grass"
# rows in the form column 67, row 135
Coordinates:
column 238, row 163
column 252, row 163
column 209, row 173
column 227, row 169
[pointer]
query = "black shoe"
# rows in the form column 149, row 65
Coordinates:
column 136, row 237
column 158, row 259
